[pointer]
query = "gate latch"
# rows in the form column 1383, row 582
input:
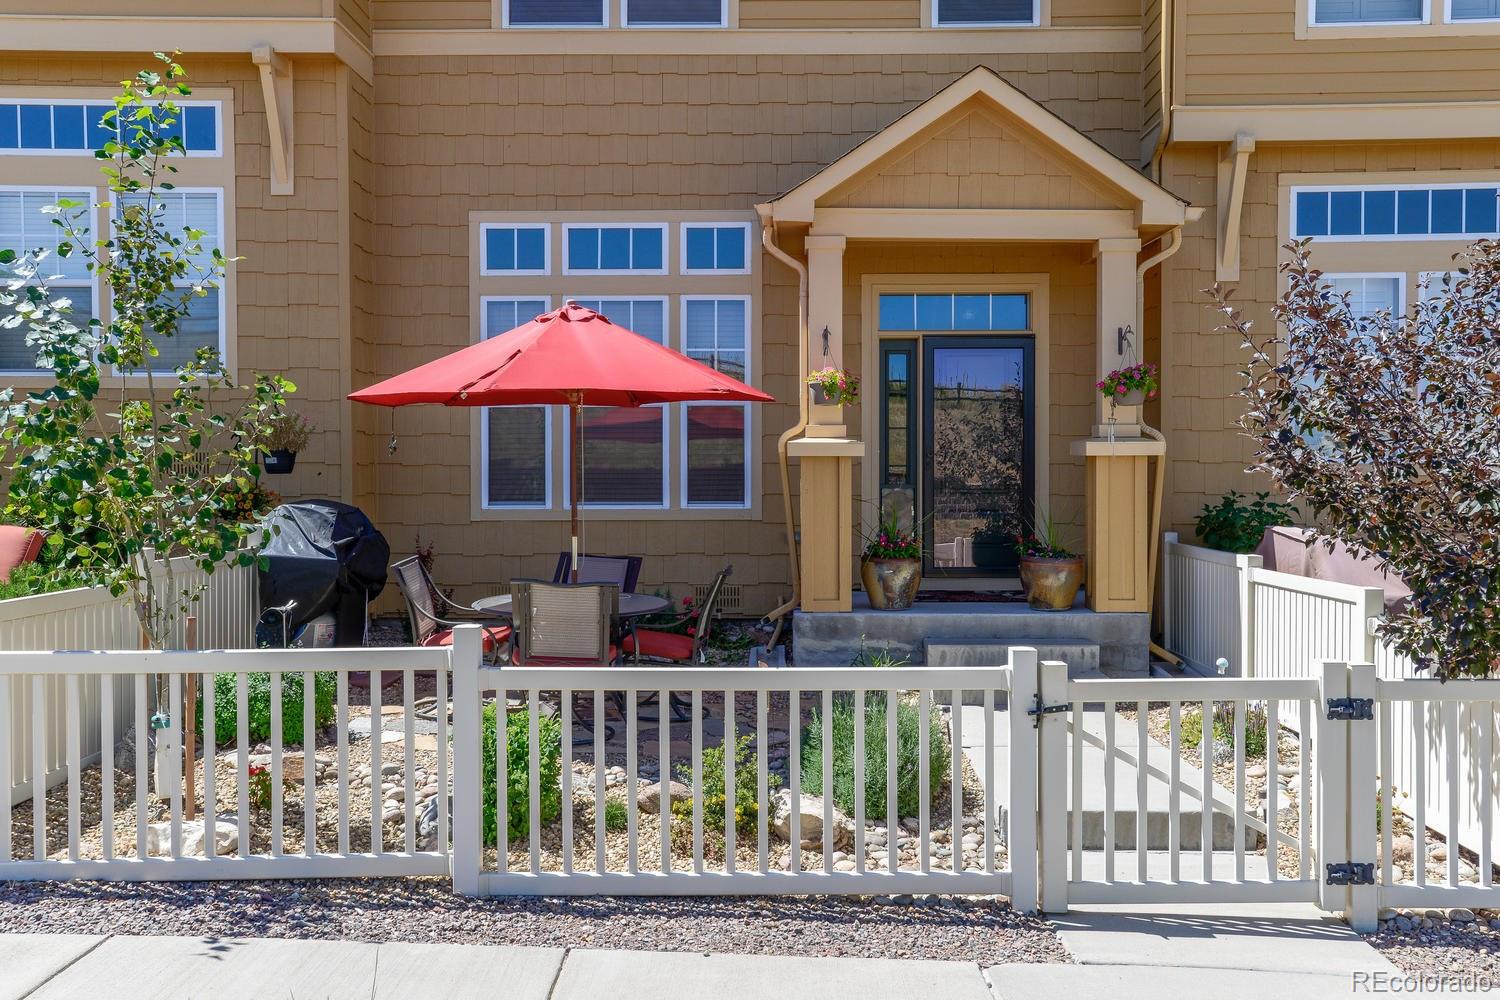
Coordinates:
column 1351, row 709
column 1038, row 710
column 1352, row 873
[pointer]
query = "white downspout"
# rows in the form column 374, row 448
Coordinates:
column 768, row 240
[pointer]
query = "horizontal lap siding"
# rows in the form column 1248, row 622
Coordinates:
column 1206, row 450
column 614, row 133
column 830, row 13
column 409, row 14
column 1151, row 65
column 287, row 284
column 1240, row 52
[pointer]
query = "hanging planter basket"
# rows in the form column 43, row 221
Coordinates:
column 278, row 462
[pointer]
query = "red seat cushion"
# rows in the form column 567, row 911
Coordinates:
column 18, row 545
column 494, row 637
column 565, row 661
column 661, row 645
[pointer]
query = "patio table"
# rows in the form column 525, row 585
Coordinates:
column 631, row 605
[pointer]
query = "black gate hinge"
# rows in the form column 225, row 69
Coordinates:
column 1038, row 710
column 1351, row 709
column 1352, row 873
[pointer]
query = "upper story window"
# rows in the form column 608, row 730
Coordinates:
column 937, row 312
column 515, row 249
column 676, row 13
column 1397, row 212
column 711, row 248
column 24, row 227
column 1369, row 11
column 555, row 13
column 76, row 128
column 619, row 248
column 1474, row 10
column 981, row 13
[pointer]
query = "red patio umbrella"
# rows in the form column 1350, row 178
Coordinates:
column 572, row 356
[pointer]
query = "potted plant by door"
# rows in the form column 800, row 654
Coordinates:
column 1051, row 575
column 891, row 567
column 286, row 434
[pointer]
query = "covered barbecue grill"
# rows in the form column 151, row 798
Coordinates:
column 328, row 560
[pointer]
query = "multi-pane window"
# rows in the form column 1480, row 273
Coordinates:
column 1397, row 212
column 1474, row 10
column 712, row 248
column 624, row 448
column 77, row 128
column 25, row 226
column 972, row 13
column 516, row 441
column 614, row 249
column 177, row 211
column 716, row 442
column 1368, row 11
column 930, row 313
column 519, row 250
column 554, row 13
column 1370, row 294
column 674, row 13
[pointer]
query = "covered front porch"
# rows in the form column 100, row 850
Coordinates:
column 979, row 265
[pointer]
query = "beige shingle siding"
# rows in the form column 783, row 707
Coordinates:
column 1245, row 52
column 1207, row 454
column 356, row 16
column 830, row 13
column 443, row 14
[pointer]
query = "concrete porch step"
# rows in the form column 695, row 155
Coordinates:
column 1081, row 655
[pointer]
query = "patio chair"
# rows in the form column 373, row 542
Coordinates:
column 19, row 546
column 433, row 616
column 566, row 624
column 672, row 647
column 622, row 571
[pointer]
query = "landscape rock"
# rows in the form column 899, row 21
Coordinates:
column 648, row 798
column 159, row 838
column 810, row 811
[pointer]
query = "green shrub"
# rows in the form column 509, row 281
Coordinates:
column 616, row 815
column 908, row 763
column 517, row 780
column 1230, row 527
column 35, row 578
column 746, row 804
column 258, row 706
column 1255, row 729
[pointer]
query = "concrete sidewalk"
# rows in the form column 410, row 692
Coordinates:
column 50, row 967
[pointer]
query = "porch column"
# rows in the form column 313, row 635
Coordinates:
column 1117, row 455
column 826, row 452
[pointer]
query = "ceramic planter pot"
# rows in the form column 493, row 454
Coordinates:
column 1134, row 397
column 279, row 462
column 1052, row 584
column 891, row 584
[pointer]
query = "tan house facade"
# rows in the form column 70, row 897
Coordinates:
column 979, row 206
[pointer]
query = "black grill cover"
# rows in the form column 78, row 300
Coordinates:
column 327, row 556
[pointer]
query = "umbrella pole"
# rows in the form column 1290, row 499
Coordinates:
column 575, row 451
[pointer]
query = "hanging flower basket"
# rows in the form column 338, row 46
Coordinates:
column 1130, row 386
column 834, row 387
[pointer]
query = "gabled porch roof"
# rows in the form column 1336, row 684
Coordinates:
column 1092, row 195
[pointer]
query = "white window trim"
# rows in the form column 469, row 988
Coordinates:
column 1448, row 17
column 937, row 22
column 546, row 269
column 1398, row 308
column 749, row 375
column 90, row 197
column 223, row 287
column 555, row 26
column 723, row 21
column 682, row 236
column 1312, row 19
column 1464, row 237
column 218, row 107
column 1429, row 280
column 666, row 251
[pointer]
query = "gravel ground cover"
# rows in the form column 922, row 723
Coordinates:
column 982, row 930
column 1436, row 940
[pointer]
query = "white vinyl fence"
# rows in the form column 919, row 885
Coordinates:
column 91, row 618
column 1278, row 625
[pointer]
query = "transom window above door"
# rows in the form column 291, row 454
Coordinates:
column 948, row 311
